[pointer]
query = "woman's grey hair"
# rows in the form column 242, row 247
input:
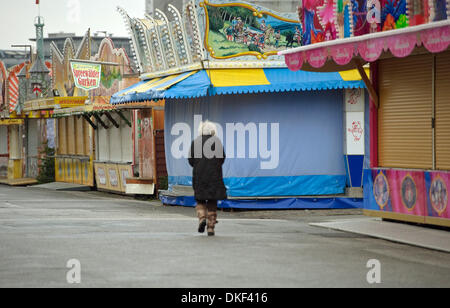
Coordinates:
column 207, row 128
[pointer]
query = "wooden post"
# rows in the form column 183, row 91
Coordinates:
column 372, row 92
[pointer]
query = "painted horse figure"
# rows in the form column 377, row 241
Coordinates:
column 269, row 34
column 290, row 40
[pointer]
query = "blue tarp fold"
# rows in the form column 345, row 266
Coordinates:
column 273, row 204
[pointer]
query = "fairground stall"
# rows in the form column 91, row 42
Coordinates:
column 114, row 138
column 283, row 131
column 11, row 126
column 95, row 140
column 20, row 154
column 406, row 44
column 74, row 146
column 127, row 136
column 149, row 164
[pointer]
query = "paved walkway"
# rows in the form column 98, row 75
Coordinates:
column 63, row 186
column 122, row 242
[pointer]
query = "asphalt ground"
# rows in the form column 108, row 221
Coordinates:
column 118, row 241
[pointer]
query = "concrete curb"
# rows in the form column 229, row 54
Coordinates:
column 395, row 232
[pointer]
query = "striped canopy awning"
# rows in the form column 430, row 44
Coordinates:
column 235, row 81
column 149, row 89
column 241, row 81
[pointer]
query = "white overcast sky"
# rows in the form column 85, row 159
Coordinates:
column 74, row 16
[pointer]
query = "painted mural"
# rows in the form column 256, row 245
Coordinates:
column 419, row 11
column 318, row 21
column 360, row 21
column 238, row 29
column 323, row 20
column 393, row 14
column 62, row 77
column 343, row 19
column 438, row 193
column 439, row 10
column 409, row 192
column 112, row 77
column 368, row 17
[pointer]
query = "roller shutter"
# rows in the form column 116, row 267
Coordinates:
column 3, row 140
column 71, row 136
column 87, row 143
column 79, row 136
column 62, row 136
column 405, row 130
column 443, row 111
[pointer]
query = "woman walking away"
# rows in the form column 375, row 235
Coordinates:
column 207, row 157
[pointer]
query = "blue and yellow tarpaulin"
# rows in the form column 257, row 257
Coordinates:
column 235, row 81
column 148, row 90
column 241, row 81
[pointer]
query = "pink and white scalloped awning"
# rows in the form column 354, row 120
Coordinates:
column 435, row 37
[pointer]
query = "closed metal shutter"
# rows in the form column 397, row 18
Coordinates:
column 71, row 140
column 405, row 132
column 443, row 111
column 79, row 136
column 87, row 142
column 62, row 136
column 3, row 140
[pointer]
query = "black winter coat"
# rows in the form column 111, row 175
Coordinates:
column 207, row 172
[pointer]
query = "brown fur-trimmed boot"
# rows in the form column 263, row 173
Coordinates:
column 201, row 214
column 212, row 221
